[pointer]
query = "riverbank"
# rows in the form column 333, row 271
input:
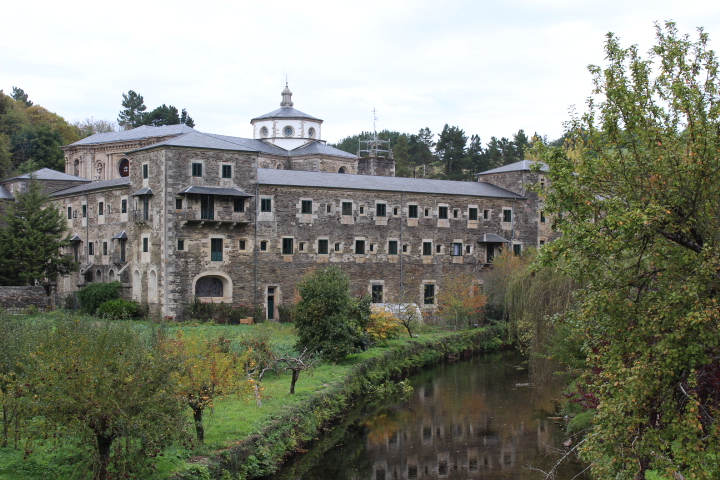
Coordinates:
column 373, row 373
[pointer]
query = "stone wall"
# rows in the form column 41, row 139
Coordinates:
column 21, row 297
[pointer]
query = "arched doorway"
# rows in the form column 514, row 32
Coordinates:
column 209, row 287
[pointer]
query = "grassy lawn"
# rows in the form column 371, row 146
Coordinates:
column 231, row 419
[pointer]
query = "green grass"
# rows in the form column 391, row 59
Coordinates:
column 232, row 418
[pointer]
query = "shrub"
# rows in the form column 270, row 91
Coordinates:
column 95, row 294
column 286, row 313
column 119, row 309
column 223, row 313
column 383, row 326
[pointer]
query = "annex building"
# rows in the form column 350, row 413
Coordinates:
column 174, row 213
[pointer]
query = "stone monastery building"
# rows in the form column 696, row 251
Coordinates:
column 174, row 213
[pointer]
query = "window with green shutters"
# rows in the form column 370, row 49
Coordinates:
column 216, row 249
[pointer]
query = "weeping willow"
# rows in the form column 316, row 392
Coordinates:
column 534, row 299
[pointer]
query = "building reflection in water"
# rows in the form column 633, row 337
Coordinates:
column 477, row 420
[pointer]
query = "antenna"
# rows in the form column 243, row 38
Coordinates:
column 375, row 147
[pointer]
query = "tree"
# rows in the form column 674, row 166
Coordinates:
column 99, row 382
column 134, row 114
column 635, row 195
column 460, row 302
column 31, row 243
column 328, row 320
column 450, row 149
column 209, row 370
column 19, row 95
column 91, row 126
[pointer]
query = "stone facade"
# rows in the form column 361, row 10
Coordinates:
column 12, row 298
column 230, row 219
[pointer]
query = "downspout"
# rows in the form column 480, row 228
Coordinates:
column 87, row 228
column 165, row 217
column 400, row 247
column 255, row 244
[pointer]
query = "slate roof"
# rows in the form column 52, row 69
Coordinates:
column 5, row 194
column 228, row 192
column 224, row 142
column 492, row 238
column 48, row 174
column 142, row 191
column 286, row 112
column 515, row 167
column 116, row 182
column 138, row 133
column 296, row 178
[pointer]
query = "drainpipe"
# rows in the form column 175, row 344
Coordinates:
column 165, row 217
column 255, row 246
column 400, row 247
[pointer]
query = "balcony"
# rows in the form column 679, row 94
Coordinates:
column 141, row 216
column 118, row 258
column 213, row 217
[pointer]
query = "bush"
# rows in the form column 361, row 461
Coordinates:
column 223, row 313
column 119, row 309
column 286, row 313
column 383, row 326
column 328, row 320
column 95, row 294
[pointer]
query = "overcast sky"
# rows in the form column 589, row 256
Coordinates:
column 489, row 68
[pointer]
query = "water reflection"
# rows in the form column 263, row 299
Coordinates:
column 477, row 419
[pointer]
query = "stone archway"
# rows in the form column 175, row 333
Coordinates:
column 213, row 287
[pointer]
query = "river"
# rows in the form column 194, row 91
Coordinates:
column 475, row 419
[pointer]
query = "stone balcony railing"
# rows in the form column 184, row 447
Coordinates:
column 217, row 217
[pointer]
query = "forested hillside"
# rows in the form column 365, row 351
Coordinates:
column 454, row 156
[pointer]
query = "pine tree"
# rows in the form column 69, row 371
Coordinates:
column 31, row 241
column 134, row 114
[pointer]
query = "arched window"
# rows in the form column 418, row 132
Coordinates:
column 76, row 169
column 152, row 286
column 98, row 275
column 209, row 287
column 342, row 170
column 137, row 286
column 111, row 276
column 124, row 167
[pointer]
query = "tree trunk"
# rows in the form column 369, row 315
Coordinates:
column 6, row 428
column 199, row 429
column 104, row 443
column 295, row 376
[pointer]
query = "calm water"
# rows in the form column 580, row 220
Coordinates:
column 476, row 419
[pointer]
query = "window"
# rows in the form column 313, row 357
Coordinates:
column 328, row 208
column 91, row 248
column 238, row 204
column 101, row 208
column 242, row 244
column 123, row 206
column 427, row 248
column 263, row 246
column 517, row 249
column 381, row 210
column 323, row 247
column 429, row 294
column 377, row 293
column 306, row 206
column 438, row 248
column 362, row 210
column 104, row 248
column 542, row 216
column 146, row 244
column 507, row 215
column 181, row 244
column 542, row 242
column 178, row 204
column 216, row 249
column 84, row 211
column 486, row 214
column 288, row 131
column 197, row 169
column 301, row 246
column 359, row 246
column 372, row 247
column 395, row 211
column 337, row 247
column 392, row 247
column 266, row 205
column 468, row 249
column 456, row 249
column 347, row 208
column 405, row 248
column 287, row 246
column 455, row 213
column 227, row 171
column 69, row 212
column 443, row 213
column 145, row 170
column 412, row 211
column 473, row 214
column 427, row 212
